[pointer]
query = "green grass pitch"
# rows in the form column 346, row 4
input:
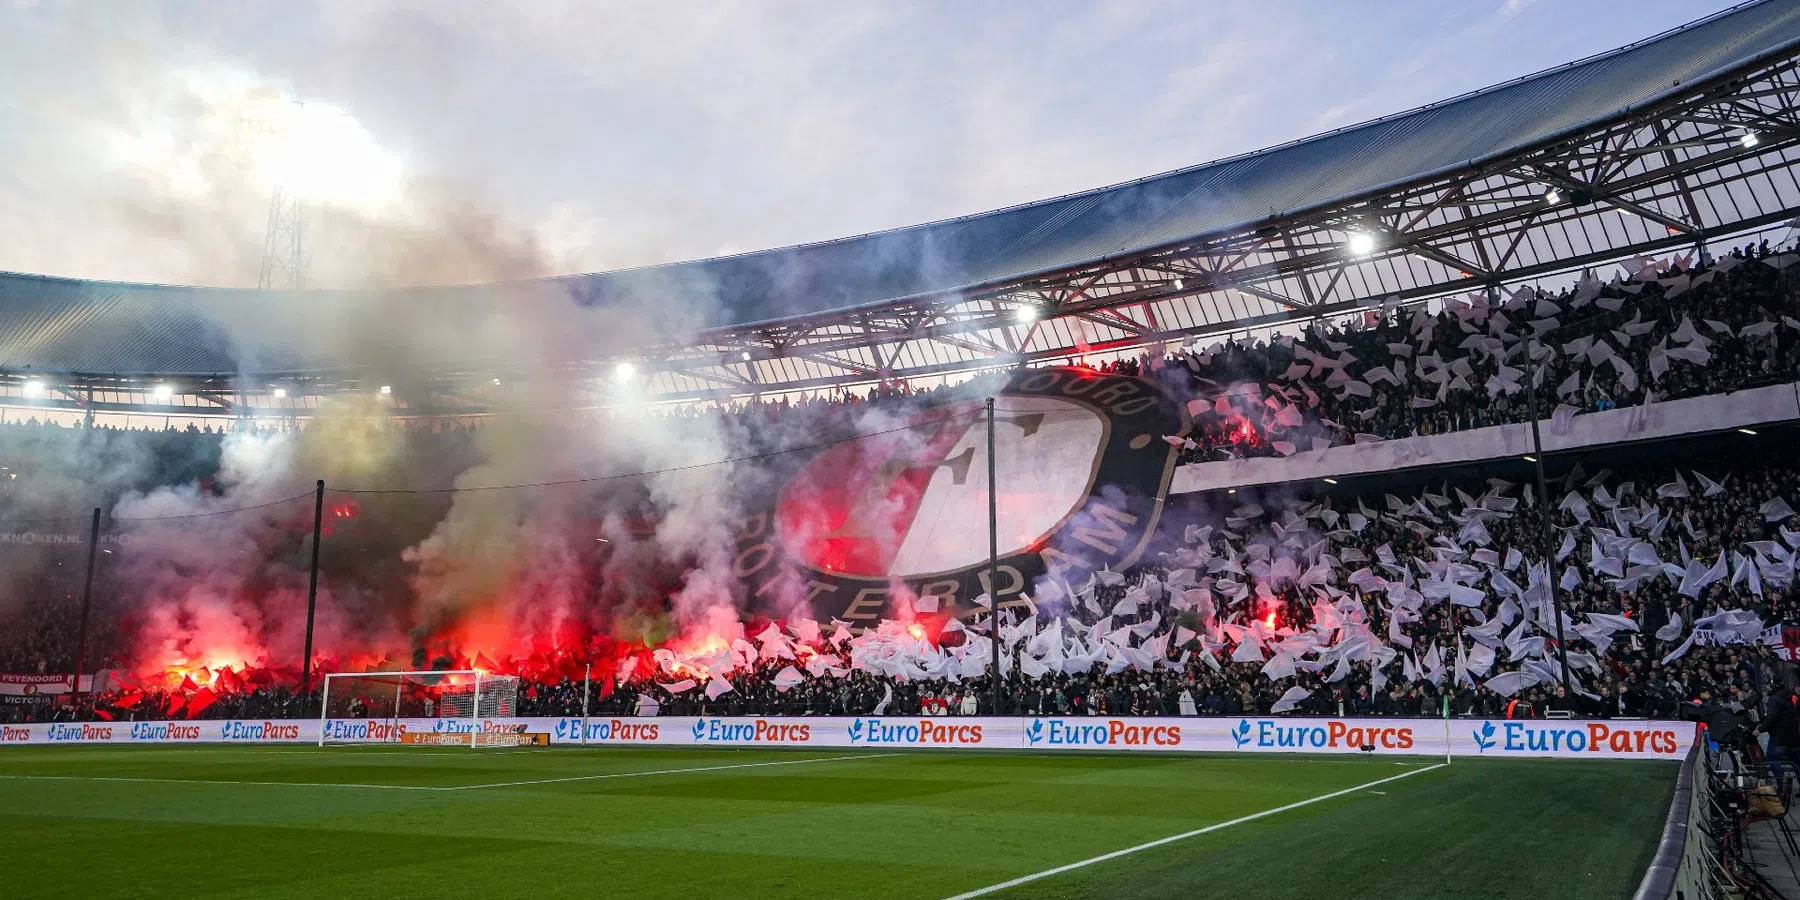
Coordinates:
column 340, row 822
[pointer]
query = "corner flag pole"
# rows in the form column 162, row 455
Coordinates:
column 993, row 557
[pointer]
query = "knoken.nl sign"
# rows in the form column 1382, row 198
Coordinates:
column 1612, row 739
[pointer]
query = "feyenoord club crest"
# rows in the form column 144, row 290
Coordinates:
column 902, row 513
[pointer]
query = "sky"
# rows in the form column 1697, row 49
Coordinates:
column 455, row 141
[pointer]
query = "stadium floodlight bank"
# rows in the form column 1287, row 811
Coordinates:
column 456, row 700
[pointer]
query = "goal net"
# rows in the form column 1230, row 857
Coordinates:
column 391, row 707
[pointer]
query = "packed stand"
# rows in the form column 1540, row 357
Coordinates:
column 1675, row 586
column 1675, row 582
column 1347, row 605
column 1668, row 331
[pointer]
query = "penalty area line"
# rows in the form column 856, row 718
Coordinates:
column 1047, row 873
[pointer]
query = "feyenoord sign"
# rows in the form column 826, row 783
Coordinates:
column 868, row 524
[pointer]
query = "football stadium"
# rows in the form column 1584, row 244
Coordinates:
column 1404, row 511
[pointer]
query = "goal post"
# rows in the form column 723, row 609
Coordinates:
column 375, row 707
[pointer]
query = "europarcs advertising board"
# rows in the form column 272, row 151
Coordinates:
column 1535, row 738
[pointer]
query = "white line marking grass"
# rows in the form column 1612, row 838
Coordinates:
column 459, row 787
column 1047, row 873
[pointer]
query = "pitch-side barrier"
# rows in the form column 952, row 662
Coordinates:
column 1572, row 739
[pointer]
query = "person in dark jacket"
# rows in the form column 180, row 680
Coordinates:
column 1783, row 728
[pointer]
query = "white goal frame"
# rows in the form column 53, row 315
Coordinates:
column 400, row 677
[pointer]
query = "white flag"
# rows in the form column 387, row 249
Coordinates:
column 1290, row 700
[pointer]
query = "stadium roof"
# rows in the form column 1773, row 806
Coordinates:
column 72, row 326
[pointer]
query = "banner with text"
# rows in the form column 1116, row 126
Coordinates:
column 1611, row 739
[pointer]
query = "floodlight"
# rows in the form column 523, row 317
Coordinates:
column 163, row 392
column 387, row 389
column 325, row 154
column 624, row 371
column 280, row 393
column 1552, row 196
column 34, row 388
column 746, row 356
column 1361, row 244
column 1749, row 139
column 1026, row 313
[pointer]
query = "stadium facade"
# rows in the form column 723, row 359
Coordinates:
column 1676, row 142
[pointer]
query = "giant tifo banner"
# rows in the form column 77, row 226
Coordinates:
column 1569, row 739
column 866, row 524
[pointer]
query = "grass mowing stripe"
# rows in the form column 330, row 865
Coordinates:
column 459, row 787
column 882, row 830
column 1047, row 873
column 779, row 762
column 336, row 784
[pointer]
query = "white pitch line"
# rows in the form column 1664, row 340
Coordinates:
column 459, row 787
column 1027, row 879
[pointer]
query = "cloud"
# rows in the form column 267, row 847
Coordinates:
column 1512, row 8
column 600, row 136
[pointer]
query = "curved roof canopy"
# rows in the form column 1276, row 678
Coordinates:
column 72, row 326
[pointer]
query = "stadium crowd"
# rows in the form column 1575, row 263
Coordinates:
column 1676, row 586
column 1726, row 540
column 1361, row 603
column 1672, row 330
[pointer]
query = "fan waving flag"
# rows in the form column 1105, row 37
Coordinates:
column 1289, row 700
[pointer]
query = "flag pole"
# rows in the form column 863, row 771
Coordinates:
column 87, row 599
column 1462, row 661
column 993, row 558
column 1537, row 458
column 1544, row 508
column 312, row 597
column 587, row 673
column 1446, row 729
